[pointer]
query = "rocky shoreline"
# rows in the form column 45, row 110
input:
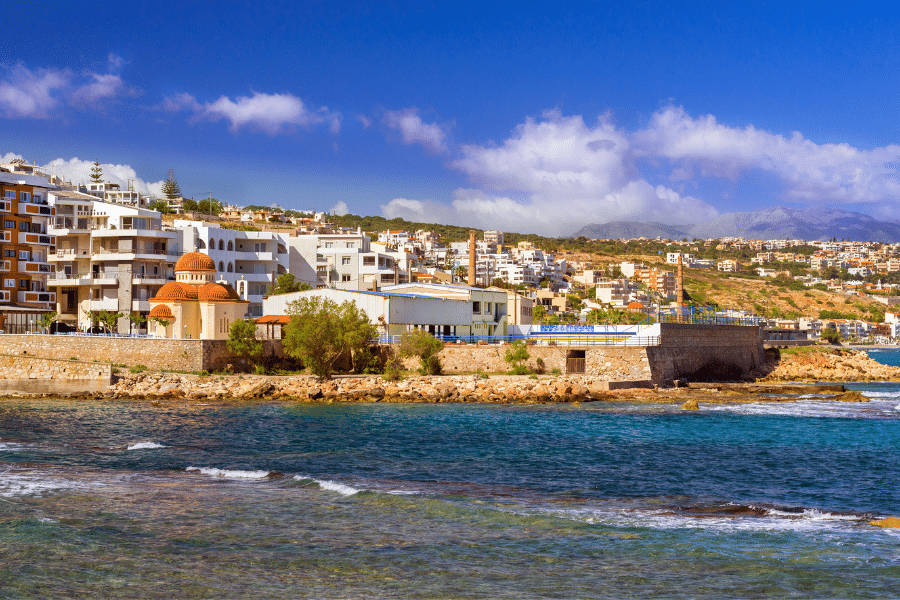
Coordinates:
column 837, row 365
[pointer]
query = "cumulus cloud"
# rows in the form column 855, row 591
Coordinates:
column 413, row 130
column 270, row 113
column 810, row 172
column 79, row 171
column 553, row 175
column 340, row 209
column 39, row 93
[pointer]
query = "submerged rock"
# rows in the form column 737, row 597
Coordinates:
column 890, row 522
column 691, row 404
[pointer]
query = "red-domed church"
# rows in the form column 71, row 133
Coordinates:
column 194, row 305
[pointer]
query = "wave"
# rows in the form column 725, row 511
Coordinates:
column 811, row 407
column 231, row 474
column 145, row 446
column 331, row 486
column 36, row 484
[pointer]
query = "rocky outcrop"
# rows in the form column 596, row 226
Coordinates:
column 890, row 522
column 825, row 364
column 468, row 388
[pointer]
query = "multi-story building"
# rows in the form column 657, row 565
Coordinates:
column 108, row 256
column 729, row 266
column 24, row 248
column 112, row 192
column 657, row 280
column 620, row 292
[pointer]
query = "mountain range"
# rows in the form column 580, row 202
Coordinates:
column 812, row 223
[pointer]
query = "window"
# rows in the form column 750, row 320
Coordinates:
column 368, row 261
column 345, row 278
column 345, row 260
column 24, row 226
column 476, row 308
column 259, row 247
column 23, row 255
column 11, row 194
column 9, row 224
column 9, row 253
column 329, row 244
column 9, row 283
column 23, row 284
column 24, row 196
column 351, row 244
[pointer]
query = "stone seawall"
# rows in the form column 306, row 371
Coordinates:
column 687, row 350
column 157, row 354
column 27, row 374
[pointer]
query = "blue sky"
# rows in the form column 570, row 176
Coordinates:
column 522, row 116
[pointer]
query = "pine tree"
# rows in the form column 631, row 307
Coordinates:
column 170, row 188
column 96, row 173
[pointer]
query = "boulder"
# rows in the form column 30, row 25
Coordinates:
column 691, row 404
column 851, row 396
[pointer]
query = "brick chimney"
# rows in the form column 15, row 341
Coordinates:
column 679, row 290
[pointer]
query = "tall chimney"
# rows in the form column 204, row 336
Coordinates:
column 471, row 257
column 679, row 290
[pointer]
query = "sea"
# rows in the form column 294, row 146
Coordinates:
column 104, row 499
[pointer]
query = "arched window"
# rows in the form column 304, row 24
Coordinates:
column 212, row 244
column 221, row 266
column 230, row 246
column 230, row 268
column 221, row 244
column 201, row 245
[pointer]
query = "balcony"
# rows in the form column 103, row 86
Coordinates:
column 36, row 211
column 140, row 306
column 31, row 266
column 254, row 256
column 38, row 239
column 133, row 253
column 111, row 304
column 37, row 297
column 70, row 253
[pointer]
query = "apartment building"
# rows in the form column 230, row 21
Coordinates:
column 657, row 280
column 113, row 192
column 686, row 259
column 25, row 245
column 489, row 308
column 108, row 256
column 620, row 292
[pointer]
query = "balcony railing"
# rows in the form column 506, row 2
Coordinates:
column 37, row 297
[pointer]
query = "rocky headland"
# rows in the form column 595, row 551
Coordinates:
column 827, row 364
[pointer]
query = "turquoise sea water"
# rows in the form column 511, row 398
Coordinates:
column 600, row 500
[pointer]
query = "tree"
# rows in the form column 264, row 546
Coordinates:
column 137, row 319
column 286, row 284
column 47, row 319
column 96, row 173
column 321, row 332
column 516, row 355
column 109, row 319
column 210, row 206
column 538, row 313
column 170, row 187
column 831, row 335
column 418, row 342
column 160, row 206
column 242, row 340
column 189, row 205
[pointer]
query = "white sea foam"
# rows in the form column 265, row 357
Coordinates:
column 772, row 520
column 10, row 447
column 230, row 474
column 35, row 484
column 803, row 408
column 145, row 446
column 332, row 486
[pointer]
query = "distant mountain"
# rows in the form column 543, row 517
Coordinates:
column 812, row 223
column 626, row 230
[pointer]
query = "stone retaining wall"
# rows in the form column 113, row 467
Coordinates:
column 685, row 349
column 157, row 354
column 27, row 374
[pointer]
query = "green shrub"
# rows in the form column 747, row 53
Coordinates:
column 138, row 369
column 519, row 370
column 556, row 371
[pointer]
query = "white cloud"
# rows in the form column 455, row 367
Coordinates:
column 38, row 94
column 340, row 209
column 103, row 87
column 10, row 156
column 270, row 113
column 810, row 172
column 32, row 94
column 366, row 122
column 79, row 171
column 552, row 176
column 414, row 131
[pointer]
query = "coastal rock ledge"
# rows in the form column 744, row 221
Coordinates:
column 826, row 364
column 468, row 388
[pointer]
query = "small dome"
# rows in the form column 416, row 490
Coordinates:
column 232, row 293
column 175, row 291
column 213, row 292
column 195, row 261
column 161, row 311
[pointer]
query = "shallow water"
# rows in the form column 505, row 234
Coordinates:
column 600, row 500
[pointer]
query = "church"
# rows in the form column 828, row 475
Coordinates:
column 194, row 306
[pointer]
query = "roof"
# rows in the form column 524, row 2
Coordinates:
column 195, row 261
column 175, row 291
column 274, row 319
column 161, row 311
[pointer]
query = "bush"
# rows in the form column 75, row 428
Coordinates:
column 418, row 342
column 831, row 335
column 540, row 368
column 519, row 370
column 556, row 371
column 138, row 369
column 516, row 354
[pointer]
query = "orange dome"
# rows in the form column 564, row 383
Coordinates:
column 161, row 311
column 195, row 261
column 175, row 291
column 213, row 292
column 232, row 293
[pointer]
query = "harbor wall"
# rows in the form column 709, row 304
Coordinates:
column 32, row 375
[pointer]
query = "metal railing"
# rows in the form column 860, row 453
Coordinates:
column 542, row 340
